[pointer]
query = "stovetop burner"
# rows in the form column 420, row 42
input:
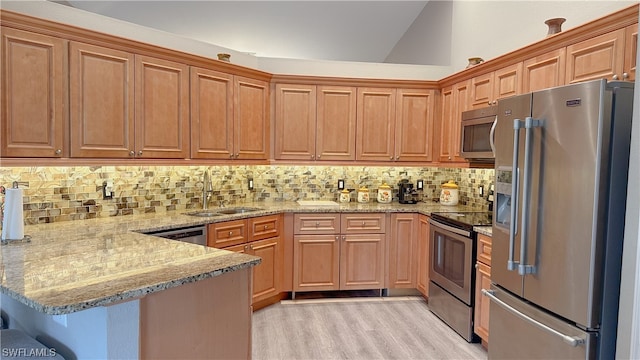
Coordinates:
column 464, row 219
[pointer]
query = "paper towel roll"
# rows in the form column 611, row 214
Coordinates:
column 13, row 220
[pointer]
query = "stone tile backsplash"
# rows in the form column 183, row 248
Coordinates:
column 75, row 193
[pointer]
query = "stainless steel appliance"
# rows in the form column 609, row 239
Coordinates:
column 561, row 177
column 194, row 235
column 476, row 134
column 451, row 272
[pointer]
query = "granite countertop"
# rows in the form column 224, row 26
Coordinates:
column 75, row 265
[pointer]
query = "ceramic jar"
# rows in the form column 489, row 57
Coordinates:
column 345, row 196
column 449, row 193
column 363, row 195
column 384, row 193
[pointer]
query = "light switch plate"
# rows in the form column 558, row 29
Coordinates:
column 340, row 184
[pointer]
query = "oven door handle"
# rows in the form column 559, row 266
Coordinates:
column 450, row 228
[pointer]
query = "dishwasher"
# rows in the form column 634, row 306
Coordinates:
column 193, row 234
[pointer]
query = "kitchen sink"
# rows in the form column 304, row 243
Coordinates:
column 237, row 210
column 204, row 213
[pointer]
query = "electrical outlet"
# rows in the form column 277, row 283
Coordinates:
column 481, row 190
column 420, row 184
column 340, row 184
column 250, row 184
column 107, row 190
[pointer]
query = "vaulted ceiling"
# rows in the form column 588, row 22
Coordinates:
column 364, row 31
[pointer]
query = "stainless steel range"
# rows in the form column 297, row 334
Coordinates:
column 452, row 275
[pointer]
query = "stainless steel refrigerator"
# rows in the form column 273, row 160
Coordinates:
column 561, row 168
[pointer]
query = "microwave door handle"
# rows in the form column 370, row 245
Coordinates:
column 492, row 136
column 529, row 126
column 513, row 227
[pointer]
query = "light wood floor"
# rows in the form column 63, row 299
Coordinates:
column 369, row 328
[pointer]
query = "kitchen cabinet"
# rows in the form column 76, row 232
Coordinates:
column 126, row 105
column 630, row 52
column 338, row 251
column 483, row 281
column 375, row 130
column 258, row 236
column 414, row 125
column 454, row 100
column 403, row 250
column 315, row 122
column 101, row 100
column 488, row 88
column 423, row 255
column 544, row 71
column 601, row 57
column 228, row 116
column 34, row 87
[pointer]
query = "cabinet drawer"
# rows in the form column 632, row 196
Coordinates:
column 368, row 223
column 317, row 223
column 264, row 227
column 227, row 233
column 484, row 249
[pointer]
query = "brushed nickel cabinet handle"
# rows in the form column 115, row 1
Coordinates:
column 58, row 151
column 140, row 153
column 625, row 76
column 131, row 153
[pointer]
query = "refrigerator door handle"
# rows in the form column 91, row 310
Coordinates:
column 513, row 227
column 571, row 340
column 529, row 125
column 492, row 136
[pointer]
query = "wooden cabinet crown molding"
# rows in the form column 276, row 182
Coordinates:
column 74, row 33
column 617, row 20
column 357, row 82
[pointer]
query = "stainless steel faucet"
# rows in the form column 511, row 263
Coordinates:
column 207, row 190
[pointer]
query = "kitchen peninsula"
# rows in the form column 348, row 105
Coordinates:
column 101, row 290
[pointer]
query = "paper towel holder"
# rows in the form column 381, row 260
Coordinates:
column 25, row 238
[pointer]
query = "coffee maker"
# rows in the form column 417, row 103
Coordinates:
column 406, row 193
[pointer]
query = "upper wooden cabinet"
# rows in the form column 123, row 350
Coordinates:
column 33, row 95
column 544, row 71
column 601, row 57
column 414, row 125
column 375, row 124
column 295, row 122
column 101, row 98
column 487, row 89
column 336, row 123
column 454, row 100
column 228, row 116
column 630, row 52
column 251, row 118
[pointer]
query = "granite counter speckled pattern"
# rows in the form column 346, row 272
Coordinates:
column 72, row 266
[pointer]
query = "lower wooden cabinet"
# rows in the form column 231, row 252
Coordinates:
column 339, row 252
column 423, row 255
column 483, row 281
column 267, row 244
column 403, row 250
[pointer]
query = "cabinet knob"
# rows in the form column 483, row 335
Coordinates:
column 625, row 76
column 131, row 153
column 266, row 227
column 390, row 157
column 58, row 151
column 318, row 157
column 230, row 233
column 476, row 265
column 489, row 103
column 317, row 224
column 140, row 153
column 313, row 157
column 398, row 157
column 449, row 157
column 615, row 77
column 237, row 155
column 363, row 224
column 337, row 238
column 344, row 238
column 251, row 247
column 246, row 247
column 230, row 156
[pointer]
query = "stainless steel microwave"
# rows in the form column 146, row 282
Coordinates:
column 476, row 135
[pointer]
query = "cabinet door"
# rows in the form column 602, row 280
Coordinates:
column 481, row 313
column 483, row 252
column 403, row 250
column 601, row 57
column 362, row 261
column 101, row 101
column 507, row 82
column 162, row 108
column 251, row 112
column 482, row 91
column 336, row 123
column 454, row 102
column 33, row 95
column 423, row 255
column 316, row 264
column 414, row 125
column 544, row 71
column 211, row 114
column 267, row 276
column 228, row 233
column 375, row 124
column 295, row 122
column 631, row 52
